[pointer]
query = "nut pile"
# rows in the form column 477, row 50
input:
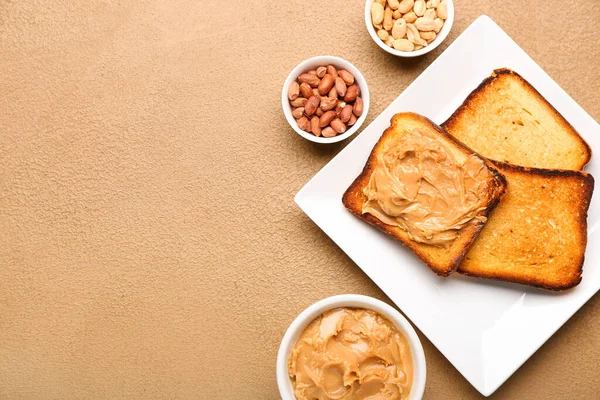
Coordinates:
column 325, row 101
column 408, row 25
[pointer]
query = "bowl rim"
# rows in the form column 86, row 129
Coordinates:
column 358, row 301
column 306, row 65
column 441, row 36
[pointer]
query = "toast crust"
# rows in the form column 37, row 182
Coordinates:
column 571, row 274
column 452, row 121
column 442, row 261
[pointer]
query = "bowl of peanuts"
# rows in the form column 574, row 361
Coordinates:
column 325, row 99
column 409, row 28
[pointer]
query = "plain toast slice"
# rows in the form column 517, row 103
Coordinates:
column 443, row 261
column 506, row 119
column 537, row 235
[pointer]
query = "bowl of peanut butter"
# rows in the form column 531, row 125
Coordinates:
column 351, row 347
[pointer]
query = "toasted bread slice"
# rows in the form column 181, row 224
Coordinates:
column 443, row 261
column 506, row 119
column 538, row 233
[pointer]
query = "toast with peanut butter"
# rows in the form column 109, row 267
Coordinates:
column 508, row 120
column 537, row 235
column 427, row 190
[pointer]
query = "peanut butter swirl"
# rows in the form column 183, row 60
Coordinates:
column 351, row 354
column 418, row 185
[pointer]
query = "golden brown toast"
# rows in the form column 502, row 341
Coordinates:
column 443, row 261
column 538, row 233
column 506, row 119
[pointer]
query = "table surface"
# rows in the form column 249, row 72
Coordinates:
column 150, row 246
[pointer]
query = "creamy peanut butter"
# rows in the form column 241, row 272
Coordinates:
column 418, row 185
column 351, row 353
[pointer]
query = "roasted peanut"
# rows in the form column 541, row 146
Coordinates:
column 357, row 109
column 353, row 120
column 327, row 103
column 314, row 126
column 298, row 112
column 321, row 71
column 352, row 93
column 312, row 80
column 346, row 113
column 293, row 90
column 346, row 76
column 339, row 108
column 299, row 102
column 306, row 90
column 303, row 124
column 396, row 14
column 334, row 98
column 328, row 132
column 338, row 126
column 326, row 118
column 311, row 105
column 332, row 71
column 340, row 87
column 326, row 84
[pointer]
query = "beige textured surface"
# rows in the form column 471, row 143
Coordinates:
column 149, row 243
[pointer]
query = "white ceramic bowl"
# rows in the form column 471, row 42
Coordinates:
column 436, row 42
column 357, row 301
column 313, row 63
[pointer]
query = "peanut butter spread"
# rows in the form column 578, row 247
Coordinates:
column 418, row 185
column 351, row 353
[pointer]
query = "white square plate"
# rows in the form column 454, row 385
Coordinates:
column 486, row 329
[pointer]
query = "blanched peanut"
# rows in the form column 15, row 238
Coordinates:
column 387, row 19
column 394, row 4
column 399, row 29
column 410, row 17
column 377, row 13
column 383, row 34
column 421, row 21
column 403, row 45
column 405, row 6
